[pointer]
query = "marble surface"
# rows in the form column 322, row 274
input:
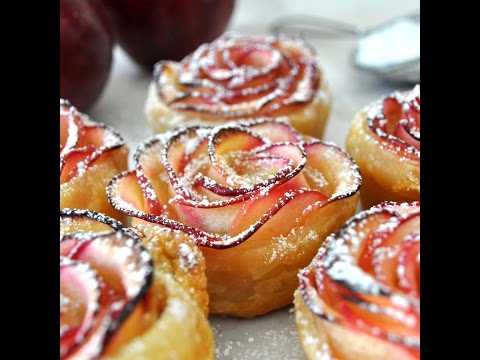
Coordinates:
column 272, row 336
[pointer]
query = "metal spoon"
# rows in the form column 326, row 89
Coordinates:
column 390, row 50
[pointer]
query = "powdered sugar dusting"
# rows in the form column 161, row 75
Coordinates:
column 187, row 258
column 237, row 339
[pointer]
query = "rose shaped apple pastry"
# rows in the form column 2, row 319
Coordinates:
column 241, row 77
column 384, row 140
column 90, row 154
column 360, row 296
column 256, row 197
column 130, row 293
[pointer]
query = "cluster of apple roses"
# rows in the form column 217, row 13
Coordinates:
column 237, row 207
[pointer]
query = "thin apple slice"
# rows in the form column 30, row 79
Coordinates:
column 408, row 272
column 74, row 162
column 402, row 131
column 336, row 166
column 387, row 254
column 229, row 139
column 73, row 220
column 84, row 304
column 70, row 128
column 125, row 193
column 367, row 317
column 287, row 199
column 276, row 130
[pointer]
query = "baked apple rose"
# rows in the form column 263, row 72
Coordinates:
column 385, row 142
column 241, row 77
column 256, row 196
column 125, row 293
column 360, row 296
column 90, row 154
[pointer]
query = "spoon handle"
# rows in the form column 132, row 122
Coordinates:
column 314, row 26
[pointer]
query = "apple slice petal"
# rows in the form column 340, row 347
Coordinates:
column 178, row 151
column 70, row 128
column 74, row 162
column 278, row 131
column 389, row 246
column 82, row 304
column 336, row 166
column 280, row 200
column 73, row 220
column 181, row 145
column 408, row 272
column 125, row 193
column 149, row 194
column 403, row 132
column 155, row 189
column 227, row 139
column 368, row 316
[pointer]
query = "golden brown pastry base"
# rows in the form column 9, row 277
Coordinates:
column 188, row 270
column 311, row 119
column 386, row 176
column 87, row 191
column 322, row 339
column 181, row 332
column 260, row 274
column 372, row 193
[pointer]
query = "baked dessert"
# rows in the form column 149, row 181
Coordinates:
column 90, row 154
column 256, row 196
column 238, row 77
column 130, row 293
column 360, row 296
column 384, row 140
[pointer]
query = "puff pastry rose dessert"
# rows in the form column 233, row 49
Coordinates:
column 130, row 293
column 90, row 154
column 257, row 197
column 360, row 296
column 241, row 77
column 384, row 140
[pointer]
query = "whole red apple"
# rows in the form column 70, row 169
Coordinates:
column 151, row 30
column 86, row 41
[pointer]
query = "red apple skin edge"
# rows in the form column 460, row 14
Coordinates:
column 86, row 41
column 153, row 30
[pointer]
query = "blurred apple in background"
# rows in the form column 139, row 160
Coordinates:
column 86, row 41
column 153, row 30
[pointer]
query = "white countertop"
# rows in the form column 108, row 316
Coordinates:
column 272, row 336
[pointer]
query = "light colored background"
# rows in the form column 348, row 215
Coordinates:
column 272, row 336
